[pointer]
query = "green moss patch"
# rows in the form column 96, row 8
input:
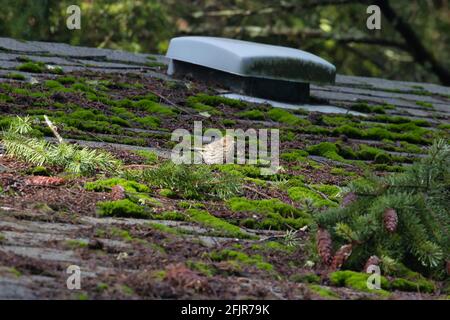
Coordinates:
column 136, row 192
column 326, row 149
column 149, row 156
column 277, row 246
column 241, row 170
column 123, row 113
column 33, row 67
column 214, row 101
column 342, row 172
column 264, row 206
column 408, row 280
column 335, row 121
column 52, row 84
column 80, row 120
column 5, row 98
column 120, row 208
column 107, row 184
column 398, row 120
column 167, row 193
column 371, row 153
column 409, row 147
column 252, row 114
column 305, row 278
column 286, row 117
column 248, row 172
column 15, row 76
column 83, row 87
column 153, row 107
column 304, row 194
column 403, row 132
column 114, row 232
column 425, row 104
column 194, row 103
column 254, row 260
column 75, row 243
column 206, row 219
column 421, row 285
column 340, row 152
column 357, row 281
column 149, row 122
column 155, row 64
column 201, row 267
column 331, row 191
column 294, row 156
column 323, row 292
column 55, row 70
column 66, row 80
column 163, row 228
column 276, row 215
column 39, row 171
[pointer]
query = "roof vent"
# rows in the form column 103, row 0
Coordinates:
column 255, row 69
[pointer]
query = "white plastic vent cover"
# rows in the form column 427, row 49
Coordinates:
column 248, row 59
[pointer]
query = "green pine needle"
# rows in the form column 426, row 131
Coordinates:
column 20, row 144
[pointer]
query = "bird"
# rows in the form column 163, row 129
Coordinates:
column 216, row 151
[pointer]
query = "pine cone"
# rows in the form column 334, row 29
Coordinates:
column 373, row 260
column 448, row 267
column 43, row 181
column 118, row 193
column 390, row 220
column 341, row 256
column 349, row 198
column 324, row 245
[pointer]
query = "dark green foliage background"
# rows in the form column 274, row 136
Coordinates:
column 335, row 30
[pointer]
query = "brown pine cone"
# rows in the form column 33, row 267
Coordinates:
column 390, row 220
column 341, row 256
column 118, row 193
column 348, row 199
column 373, row 260
column 44, row 181
column 324, row 245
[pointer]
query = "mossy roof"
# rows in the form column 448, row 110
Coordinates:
column 31, row 238
column 407, row 97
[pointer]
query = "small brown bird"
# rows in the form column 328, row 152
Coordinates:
column 218, row 151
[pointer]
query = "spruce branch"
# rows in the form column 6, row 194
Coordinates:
column 402, row 216
column 20, row 143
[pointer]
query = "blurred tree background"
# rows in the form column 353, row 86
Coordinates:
column 413, row 43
